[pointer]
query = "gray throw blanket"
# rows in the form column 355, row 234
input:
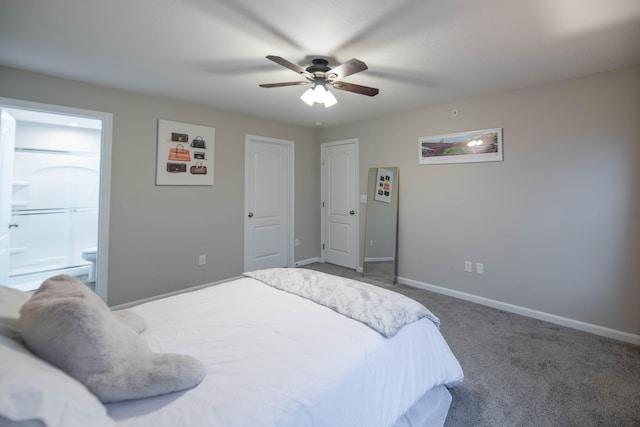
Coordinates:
column 382, row 310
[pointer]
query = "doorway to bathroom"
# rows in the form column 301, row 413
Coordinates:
column 54, row 175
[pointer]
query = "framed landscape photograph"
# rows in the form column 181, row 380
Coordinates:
column 185, row 154
column 464, row 147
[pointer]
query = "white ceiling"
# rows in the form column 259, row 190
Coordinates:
column 419, row 52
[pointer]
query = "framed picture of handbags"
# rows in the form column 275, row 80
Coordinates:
column 185, row 153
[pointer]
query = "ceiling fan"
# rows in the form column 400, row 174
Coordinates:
column 320, row 75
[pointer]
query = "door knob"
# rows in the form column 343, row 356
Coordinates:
column 352, row 212
column 13, row 225
column 250, row 215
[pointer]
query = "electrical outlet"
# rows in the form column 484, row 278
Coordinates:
column 467, row 266
column 296, row 242
column 479, row 268
column 202, row 260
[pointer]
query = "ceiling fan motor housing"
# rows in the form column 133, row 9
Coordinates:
column 319, row 69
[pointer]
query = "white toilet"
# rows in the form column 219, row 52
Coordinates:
column 90, row 255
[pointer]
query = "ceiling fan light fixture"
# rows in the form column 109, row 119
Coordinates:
column 307, row 97
column 329, row 100
column 320, row 75
column 319, row 93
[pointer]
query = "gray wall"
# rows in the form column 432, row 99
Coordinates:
column 152, row 249
column 556, row 224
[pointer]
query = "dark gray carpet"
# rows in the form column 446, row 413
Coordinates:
column 525, row 372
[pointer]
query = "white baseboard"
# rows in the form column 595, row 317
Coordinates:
column 307, row 261
column 524, row 311
column 169, row 294
column 378, row 259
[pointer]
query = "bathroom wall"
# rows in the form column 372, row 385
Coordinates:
column 54, row 196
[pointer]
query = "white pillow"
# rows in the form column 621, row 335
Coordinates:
column 11, row 300
column 31, row 390
column 71, row 327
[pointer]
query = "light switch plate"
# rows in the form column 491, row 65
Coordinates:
column 467, row 266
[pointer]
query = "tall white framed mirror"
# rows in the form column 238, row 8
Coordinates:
column 381, row 230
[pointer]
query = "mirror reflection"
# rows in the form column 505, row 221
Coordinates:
column 379, row 255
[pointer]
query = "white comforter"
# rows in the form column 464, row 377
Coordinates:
column 275, row 359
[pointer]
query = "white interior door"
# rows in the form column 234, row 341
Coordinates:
column 339, row 203
column 268, row 222
column 7, row 138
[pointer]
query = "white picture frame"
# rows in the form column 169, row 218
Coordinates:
column 185, row 154
column 464, row 147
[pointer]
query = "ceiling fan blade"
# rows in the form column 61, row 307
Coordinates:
column 283, row 84
column 345, row 69
column 290, row 65
column 350, row 87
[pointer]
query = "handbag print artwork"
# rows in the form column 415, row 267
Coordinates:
column 198, row 169
column 185, row 154
column 179, row 154
column 199, row 142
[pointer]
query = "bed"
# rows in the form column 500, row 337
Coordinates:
column 278, row 356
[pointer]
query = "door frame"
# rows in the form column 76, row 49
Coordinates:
column 290, row 227
column 102, row 261
column 323, row 180
column 7, row 148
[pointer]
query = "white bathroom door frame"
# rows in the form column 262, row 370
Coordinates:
column 7, row 139
column 102, row 262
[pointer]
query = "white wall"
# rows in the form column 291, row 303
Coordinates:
column 53, row 181
column 556, row 224
column 149, row 253
column 43, row 136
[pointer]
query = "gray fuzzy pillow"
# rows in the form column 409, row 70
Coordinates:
column 131, row 319
column 69, row 326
